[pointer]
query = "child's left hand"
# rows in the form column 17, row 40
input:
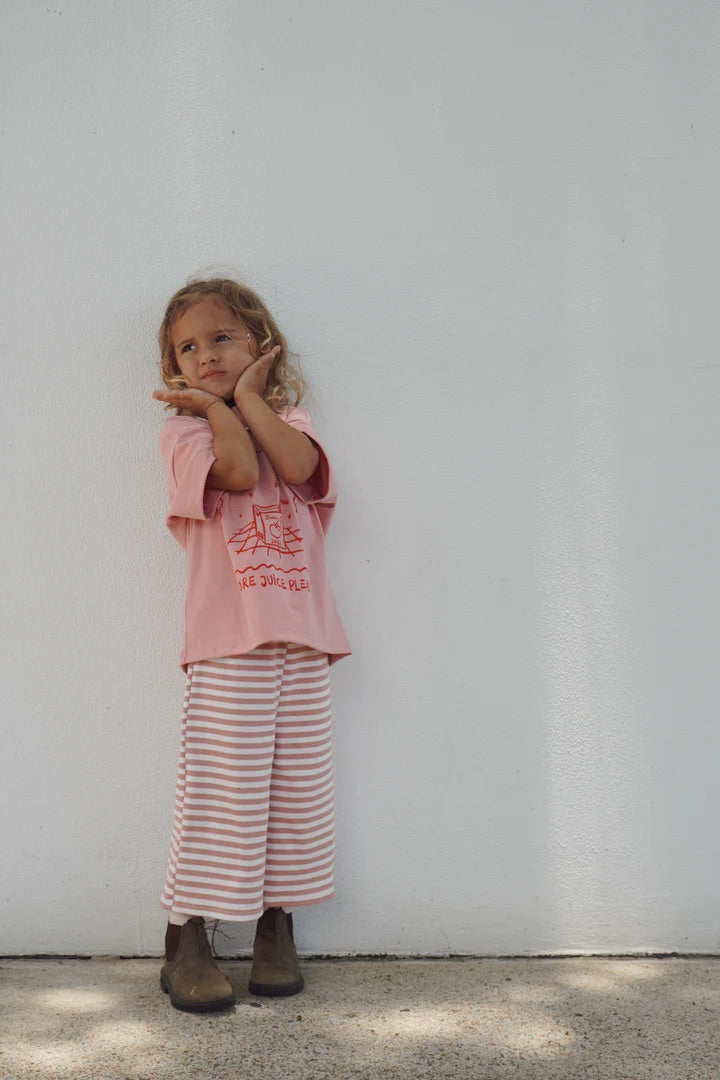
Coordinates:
column 254, row 377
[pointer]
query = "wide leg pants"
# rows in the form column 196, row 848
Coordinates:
column 254, row 824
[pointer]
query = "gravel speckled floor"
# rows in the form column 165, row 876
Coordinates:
column 590, row 1019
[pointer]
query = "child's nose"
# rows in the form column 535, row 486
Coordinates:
column 207, row 354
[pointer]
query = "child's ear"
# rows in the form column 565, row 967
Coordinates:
column 252, row 344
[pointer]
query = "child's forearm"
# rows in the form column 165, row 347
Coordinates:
column 235, row 467
column 292, row 454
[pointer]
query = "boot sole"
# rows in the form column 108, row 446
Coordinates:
column 219, row 1005
column 269, row 990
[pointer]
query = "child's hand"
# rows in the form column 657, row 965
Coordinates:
column 254, row 377
column 197, row 401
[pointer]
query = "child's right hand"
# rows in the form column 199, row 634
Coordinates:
column 197, row 401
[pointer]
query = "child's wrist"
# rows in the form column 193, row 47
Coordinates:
column 240, row 394
column 217, row 401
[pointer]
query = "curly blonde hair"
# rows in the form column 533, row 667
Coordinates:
column 285, row 385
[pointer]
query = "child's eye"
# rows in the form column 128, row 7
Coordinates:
column 187, row 347
column 222, row 337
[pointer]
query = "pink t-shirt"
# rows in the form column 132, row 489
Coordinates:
column 256, row 559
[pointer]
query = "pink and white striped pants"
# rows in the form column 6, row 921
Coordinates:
column 254, row 823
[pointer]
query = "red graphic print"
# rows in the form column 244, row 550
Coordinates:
column 269, row 526
column 267, row 533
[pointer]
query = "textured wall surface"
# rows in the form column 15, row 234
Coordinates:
column 491, row 232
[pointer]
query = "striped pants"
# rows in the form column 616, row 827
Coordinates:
column 253, row 826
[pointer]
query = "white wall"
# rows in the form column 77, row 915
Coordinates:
column 491, row 231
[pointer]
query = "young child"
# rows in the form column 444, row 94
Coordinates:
column 251, row 495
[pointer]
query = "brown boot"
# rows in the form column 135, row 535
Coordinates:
column 275, row 970
column 190, row 975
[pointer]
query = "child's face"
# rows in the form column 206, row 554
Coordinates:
column 212, row 347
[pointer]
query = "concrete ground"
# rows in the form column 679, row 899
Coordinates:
column 540, row 1019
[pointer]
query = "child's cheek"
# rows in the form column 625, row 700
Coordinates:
column 192, row 378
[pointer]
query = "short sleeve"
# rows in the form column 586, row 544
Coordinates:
column 186, row 445
column 320, row 487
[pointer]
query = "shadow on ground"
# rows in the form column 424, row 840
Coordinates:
column 486, row 1019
